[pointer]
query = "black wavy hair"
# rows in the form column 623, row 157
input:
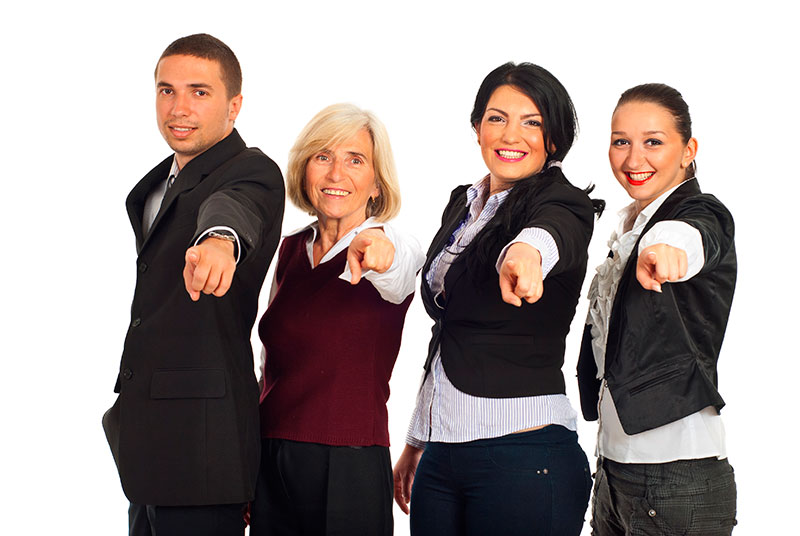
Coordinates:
column 560, row 127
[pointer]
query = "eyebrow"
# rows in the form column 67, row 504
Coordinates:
column 498, row 110
column 356, row 153
column 647, row 133
column 196, row 85
column 349, row 153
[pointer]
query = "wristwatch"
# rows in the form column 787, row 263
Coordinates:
column 228, row 236
column 222, row 235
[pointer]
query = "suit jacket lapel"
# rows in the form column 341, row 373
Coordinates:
column 138, row 196
column 190, row 176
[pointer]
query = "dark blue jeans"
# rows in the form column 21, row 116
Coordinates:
column 532, row 483
column 686, row 498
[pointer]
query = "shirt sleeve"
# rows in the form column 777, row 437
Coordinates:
column 679, row 235
column 539, row 239
column 396, row 283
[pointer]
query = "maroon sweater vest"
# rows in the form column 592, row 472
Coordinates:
column 330, row 349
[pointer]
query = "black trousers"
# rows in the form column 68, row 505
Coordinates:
column 682, row 498
column 312, row 489
column 212, row 520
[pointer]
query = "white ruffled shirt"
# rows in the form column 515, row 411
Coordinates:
column 700, row 435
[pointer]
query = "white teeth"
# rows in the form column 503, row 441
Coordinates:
column 340, row 193
column 511, row 154
column 640, row 176
column 181, row 129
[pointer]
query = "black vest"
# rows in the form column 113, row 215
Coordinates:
column 662, row 349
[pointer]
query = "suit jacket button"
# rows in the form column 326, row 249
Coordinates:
column 136, row 322
column 127, row 373
column 143, row 267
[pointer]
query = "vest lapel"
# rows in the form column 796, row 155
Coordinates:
column 664, row 212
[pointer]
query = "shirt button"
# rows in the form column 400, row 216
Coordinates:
column 127, row 373
column 136, row 322
column 651, row 513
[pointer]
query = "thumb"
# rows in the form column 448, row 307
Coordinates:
column 192, row 255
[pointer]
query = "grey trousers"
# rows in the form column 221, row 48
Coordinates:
column 685, row 498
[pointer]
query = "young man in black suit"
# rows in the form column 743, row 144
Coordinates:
column 184, row 430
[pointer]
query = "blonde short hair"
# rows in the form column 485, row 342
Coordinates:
column 332, row 126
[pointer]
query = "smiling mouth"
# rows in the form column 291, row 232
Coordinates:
column 337, row 193
column 639, row 178
column 181, row 132
column 507, row 155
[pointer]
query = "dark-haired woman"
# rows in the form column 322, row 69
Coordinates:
column 492, row 447
column 659, row 308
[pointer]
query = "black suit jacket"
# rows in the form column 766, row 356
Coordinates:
column 185, row 429
column 662, row 348
column 493, row 349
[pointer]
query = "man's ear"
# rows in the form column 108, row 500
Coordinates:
column 234, row 107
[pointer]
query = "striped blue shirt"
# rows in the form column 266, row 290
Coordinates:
column 445, row 414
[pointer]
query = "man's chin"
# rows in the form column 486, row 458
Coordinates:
column 186, row 148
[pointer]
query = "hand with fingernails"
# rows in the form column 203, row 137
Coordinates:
column 209, row 268
column 369, row 250
column 659, row 264
column 521, row 274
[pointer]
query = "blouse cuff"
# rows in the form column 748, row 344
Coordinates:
column 539, row 239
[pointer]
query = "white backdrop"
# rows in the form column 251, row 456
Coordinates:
column 77, row 94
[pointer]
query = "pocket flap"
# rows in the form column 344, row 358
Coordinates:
column 188, row 383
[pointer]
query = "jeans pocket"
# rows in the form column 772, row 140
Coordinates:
column 524, row 458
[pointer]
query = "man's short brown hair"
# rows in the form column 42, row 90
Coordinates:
column 209, row 47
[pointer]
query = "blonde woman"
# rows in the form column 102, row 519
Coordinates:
column 331, row 335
